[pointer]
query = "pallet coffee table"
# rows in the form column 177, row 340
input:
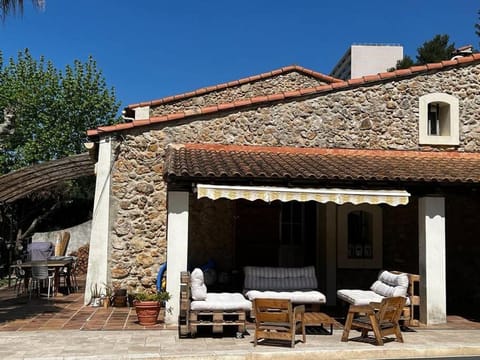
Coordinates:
column 319, row 319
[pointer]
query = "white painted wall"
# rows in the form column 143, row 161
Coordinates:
column 373, row 59
column 98, row 271
column 431, row 228
column 177, row 250
column 79, row 236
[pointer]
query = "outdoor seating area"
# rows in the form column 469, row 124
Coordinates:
column 19, row 315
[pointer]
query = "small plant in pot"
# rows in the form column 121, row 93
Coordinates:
column 148, row 304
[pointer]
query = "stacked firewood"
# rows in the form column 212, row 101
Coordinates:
column 82, row 259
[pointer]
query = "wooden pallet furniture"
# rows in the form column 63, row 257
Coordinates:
column 277, row 319
column 389, row 284
column 380, row 318
column 319, row 319
column 411, row 311
column 216, row 311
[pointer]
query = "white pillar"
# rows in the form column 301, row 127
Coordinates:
column 177, row 250
column 431, row 229
column 97, row 272
column 331, row 252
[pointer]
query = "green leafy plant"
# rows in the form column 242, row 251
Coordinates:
column 160, row 296
column 108, row 290
column 95, row 291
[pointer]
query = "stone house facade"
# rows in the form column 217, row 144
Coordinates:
column 416, row 131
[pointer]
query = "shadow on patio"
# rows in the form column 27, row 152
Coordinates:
column 63, row 312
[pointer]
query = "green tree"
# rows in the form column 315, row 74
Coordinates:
column 12, row 6
column 50, row 110
column 477, row 26
column 405, row 63
column 435, row 50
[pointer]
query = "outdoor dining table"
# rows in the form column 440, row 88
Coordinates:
column 54, row 262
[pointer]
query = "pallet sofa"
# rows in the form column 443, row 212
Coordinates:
column 297, row 284
column 389, row 284
column 198, row 307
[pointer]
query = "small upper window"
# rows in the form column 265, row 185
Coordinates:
column 439, row 120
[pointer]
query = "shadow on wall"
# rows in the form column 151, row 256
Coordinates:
column 79, row 236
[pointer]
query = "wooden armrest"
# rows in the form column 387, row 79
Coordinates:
column 360, row 309
column 299, row 309
column 375, row 305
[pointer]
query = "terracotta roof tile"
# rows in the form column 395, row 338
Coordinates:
column 336, row 84
column 204, row 90
column 225, row 163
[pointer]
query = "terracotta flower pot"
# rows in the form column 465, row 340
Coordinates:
column 147, row 312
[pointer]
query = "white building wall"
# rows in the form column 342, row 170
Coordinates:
column 361, row 60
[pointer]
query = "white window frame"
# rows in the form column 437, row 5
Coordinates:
column 448, row 120
column 376, row 261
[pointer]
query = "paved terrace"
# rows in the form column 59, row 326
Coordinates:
column 66, row 329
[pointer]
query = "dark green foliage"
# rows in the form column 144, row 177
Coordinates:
column 405, row 63
column 477, row 26
column 435, row 50
column 13, row 6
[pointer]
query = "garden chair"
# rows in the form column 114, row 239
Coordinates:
column 40, row 274
column 381, row 318
column 277, row 319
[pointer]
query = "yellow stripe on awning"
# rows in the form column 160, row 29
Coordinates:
column 270, row 193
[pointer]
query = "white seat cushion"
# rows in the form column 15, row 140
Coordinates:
column 222, row 301
column 361, row 297
column 304, row 297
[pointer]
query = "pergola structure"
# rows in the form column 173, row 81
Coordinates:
column 20, row 183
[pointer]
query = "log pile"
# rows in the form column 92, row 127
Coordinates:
column 82, row 259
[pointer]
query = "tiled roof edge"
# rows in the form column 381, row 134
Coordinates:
column 327, row 151
column 343, row 85
column 266, row 75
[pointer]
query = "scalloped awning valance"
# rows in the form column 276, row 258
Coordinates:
column 322, row 195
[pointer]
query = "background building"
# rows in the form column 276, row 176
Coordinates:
column 369, row 59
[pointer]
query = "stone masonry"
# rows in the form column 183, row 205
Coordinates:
column 382, row 115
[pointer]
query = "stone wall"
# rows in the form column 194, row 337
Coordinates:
column 378, row 116
column 273, row 85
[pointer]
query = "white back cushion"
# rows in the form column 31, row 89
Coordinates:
column 390, row 284
column 197, row 285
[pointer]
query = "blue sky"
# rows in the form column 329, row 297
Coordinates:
column 149, row 49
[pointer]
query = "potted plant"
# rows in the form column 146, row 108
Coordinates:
column 148, row 304
column 107, row 297
column 95, row 295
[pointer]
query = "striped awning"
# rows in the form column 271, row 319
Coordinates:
column 271, row 193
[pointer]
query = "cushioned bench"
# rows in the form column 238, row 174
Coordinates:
column 298, row 284
column 388, row 284
column 198, row 307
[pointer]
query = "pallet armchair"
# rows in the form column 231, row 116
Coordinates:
column 380, row 318
column 199, row 308
column 277, row 319
column 389, row 284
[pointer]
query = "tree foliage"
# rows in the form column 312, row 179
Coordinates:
column 432, row 51
column 477, row 25
column 52, row 109
column 435, row 50
column 406, row 62
column 13, row 6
